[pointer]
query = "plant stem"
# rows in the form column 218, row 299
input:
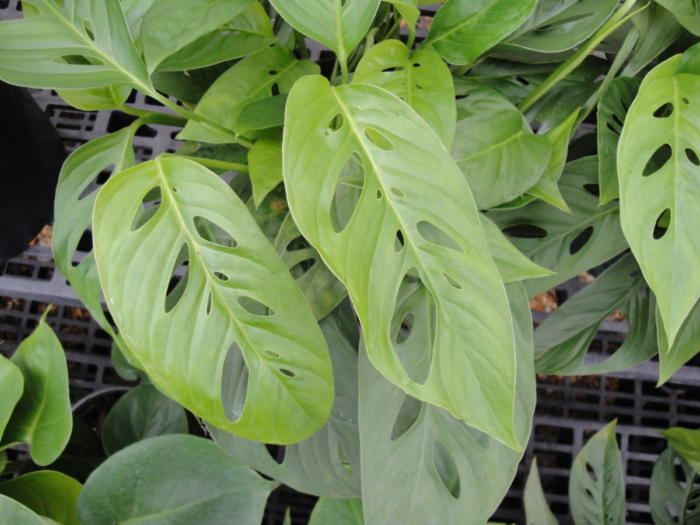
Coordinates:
column 343, row 69
column 153, row 117
column 613, row 23
column 301, row 42
column 217, row 164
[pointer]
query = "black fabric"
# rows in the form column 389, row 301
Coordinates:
column 31, row 154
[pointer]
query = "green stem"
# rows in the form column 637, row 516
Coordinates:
column 343, row 69
column 613, row 23
column 153, row 117
column 301, row 42
column 217, row 164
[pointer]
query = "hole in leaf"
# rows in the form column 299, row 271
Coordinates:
column 253, row 306
column 435, row 235
column 271, row 354
column 416, row 64
column 406, row 417
column 213, row 233
column 591, row 472
column 302, row 267
column 593, row 189
column 589, row 493
column 272, row 72
column 685, row 100
column 335, row 124
column 452, row 282
column 209, row 301
column 397, row 192
column 391, row 69
column 379, row 194
column 418, row 86
column 399, row 242
column 276, row 452
column 522, row 80
column 287, row 372
column 525, row 231
column 618, row 121
column 347, row 192
column 98, row 181
column 221, row 276
column 657, row 160
column 149, row 207
column 178, row 279
column 234, row 383
column 405, row 327
column 614, row 129
column 580, row 240
column 662, row 223
column 692, row 156
column 378, row 139
column 664, row 111
column 446, row 468
column 275, row 90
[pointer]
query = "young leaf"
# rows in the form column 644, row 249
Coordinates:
column 265, row 164
column 686, row 443
column 465, row 29
column 596, row 483
column 11, row 386
column 337, row 512
column 139, row 414
column 422, row 79
column 252, row 79
column 93, row 32
column 236, row 320
column 173, row 479
column 13, row 512
column 536, row 509
column 399, row 229
column 658, row 168
column 48, row 493
column 42, row 417
column 686, row 346
column 673, row 498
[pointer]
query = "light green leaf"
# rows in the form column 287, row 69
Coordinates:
column 93, row 32
column 336, row 24
column 328, row 463
column 422, row 79
column 236, row 328
column 14, row 512
column 48, row 493
column 612, row 110
column 495, row 148
column 134, row 11
column 265, row 164
column 536, row 509
column 673, row 499
column 686, row 12
column 657, row 29
column 410, row 13
column 686, row 443
column 596, row 482
column 337, row 512
column 42, row 418
column 658, row 172
column 11, row 387
column 170, row 25
column 686, row 346
column 253, row 78
column 98, row 98
column 463, row 30
column 420, row 465
column 262, row 114
column 173, row 479
column 139, row 414
column 403, row 228
column 566, row 243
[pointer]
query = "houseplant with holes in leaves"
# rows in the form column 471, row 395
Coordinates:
column 357, row 291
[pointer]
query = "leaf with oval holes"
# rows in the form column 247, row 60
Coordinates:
column 495, row 148
column 563, row 338
column 686, row 443
column 42, row 417
column 12, row 511
column 612, row 109
column 337, row 24
column 233, row 341
column 596, row 482
column 674, row 492
column 248, row 33
column 414, row 448
column 92, row 32
column 686, row 346
column 139, row 414
column 270, row 72
column 328, row 463
column 566, row 243
column 48, row 493
column 536, row 509
column 463, row 30
column 422, row 79
column 337, row 512
column 659, row 174
column 403, row 228
column 173, row 479
column 265, row 164
column 686, row 12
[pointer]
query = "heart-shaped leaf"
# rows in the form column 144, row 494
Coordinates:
column 394, row 234
column 234, row 341
column 48, row 493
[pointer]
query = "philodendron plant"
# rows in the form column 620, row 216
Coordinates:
column 338, row 259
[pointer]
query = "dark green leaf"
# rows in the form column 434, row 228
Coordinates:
column 48, row 493
column 673, row 498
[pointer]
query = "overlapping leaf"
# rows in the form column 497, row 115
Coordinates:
column 337, row 512
column 686, row 346
column 403, row 228
column 13, row 512
column 48, row 493
column 674, row 498
column 536, row 509
column 686, row 11
column 686, row 443
column 235, row 341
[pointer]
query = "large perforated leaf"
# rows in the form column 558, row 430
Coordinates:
column 234, row 341
column 415, row 220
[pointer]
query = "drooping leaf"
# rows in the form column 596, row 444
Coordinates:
column 252, row 79
column 13, row 512
column 396, row 233
column 419, row 464
column 170, row 25
column 658, row 171
column 686, row 12
column 11, row 387
column 674, row 498
column 686, row 443
column 337, row 512
column 495, row 148
column 596, row 483
column 335, row 24
column 173, row 479
column 328, row 463
column 261, row 369
column 141, row 413
column 48, row 493
column 32, row 49
column 536, row 509
column 42, row 418
column 265, row 164
column 687, row 344
column 422, row 79
column 463, row 30
column 566, row 243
